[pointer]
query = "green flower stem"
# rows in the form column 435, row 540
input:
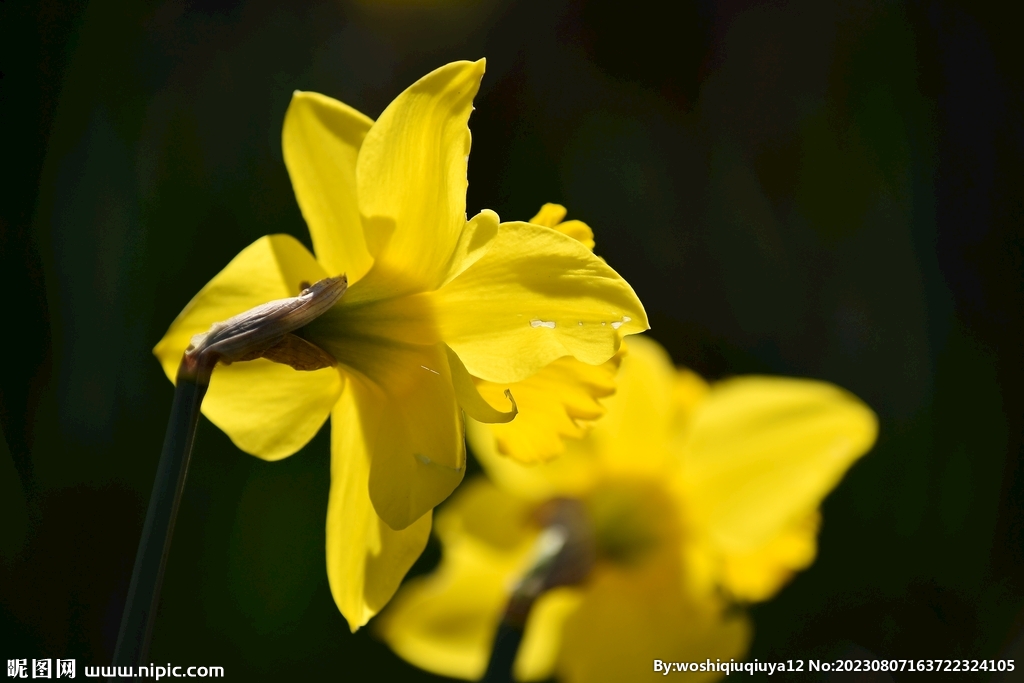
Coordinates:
column 264, row 331
column 503, row 654
column 261, row 332
column 563, row 556
column 144, row 591
column 513, row 621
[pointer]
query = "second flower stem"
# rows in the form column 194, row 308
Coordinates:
column 563, row 556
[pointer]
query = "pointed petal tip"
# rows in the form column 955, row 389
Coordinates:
column 477, row 68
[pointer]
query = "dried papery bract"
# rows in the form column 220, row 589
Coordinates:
column 266, row 331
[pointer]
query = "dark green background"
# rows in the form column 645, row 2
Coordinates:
column 805, row 188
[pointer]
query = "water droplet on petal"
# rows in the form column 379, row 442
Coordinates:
column 550, row 324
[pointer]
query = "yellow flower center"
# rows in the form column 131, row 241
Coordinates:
column 632, row 520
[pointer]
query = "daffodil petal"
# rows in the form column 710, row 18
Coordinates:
column 418, row 452
column 579, row 231
column 411, row 174
column 470, row 398
column 549, row 215
column 542, row 637
column 474, row 241
column 571, row 474
column 559, row 401
column 552, row 215
column 267, row 409
column 272, row 267
column 486, row 515
column 321, row 141
column 419, row 455
column 689, row 392
column 759, row 574
column 445, row 623
column 762, row 453
column 535, row 296
column 625, row 622
column 635, row 432
column 366, row 559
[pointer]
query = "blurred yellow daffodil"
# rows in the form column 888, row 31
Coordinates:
column 562, row 399
column 698, row 497
column 433, row 300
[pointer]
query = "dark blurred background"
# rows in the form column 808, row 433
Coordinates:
column 832, row 190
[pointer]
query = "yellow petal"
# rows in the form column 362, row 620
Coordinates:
column 474, row 241
column 571, row 474
column 321, row 141
column 535, row 296
column 411, row 174
column 270, row 268
column 579, row 231
column 634, row 434
column 559, row 401
column 626, row 621
column 552, row 215
column 762, row 453
column 445, row 623
column 549, row 215
column 267, row 409
column 470, row 398
column 542, row 637
column 366, row 559
column 419, row 456
column 759, row 574
column 418, row 452
column 689, row 393
column 486, row 515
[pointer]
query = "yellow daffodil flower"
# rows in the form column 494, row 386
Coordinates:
column 699, row 496
column 562, row 399
column 433, row 300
